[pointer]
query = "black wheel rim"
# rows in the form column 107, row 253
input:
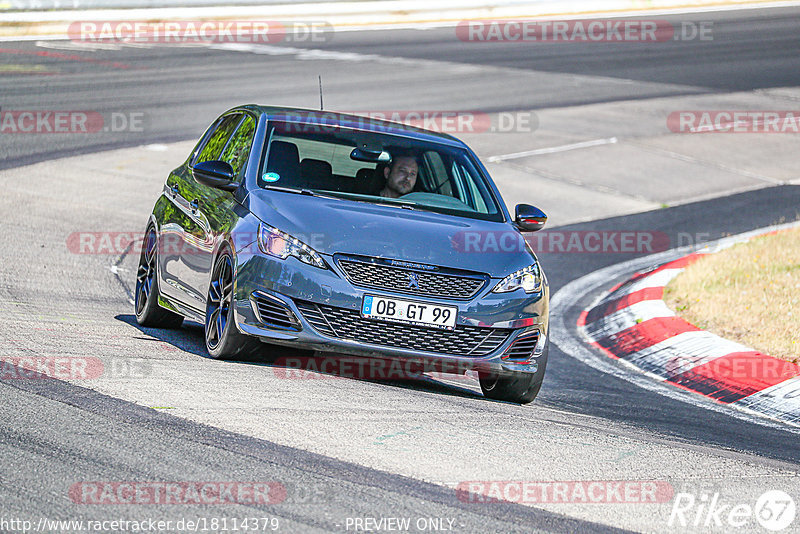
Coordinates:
column 219, row 302
column 146, row 271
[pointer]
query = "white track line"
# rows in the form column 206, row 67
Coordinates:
column 552, row 150
column 779, row 400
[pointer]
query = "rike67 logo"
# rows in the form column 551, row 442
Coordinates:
column 774, row 510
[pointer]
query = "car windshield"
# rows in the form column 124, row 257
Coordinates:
column 376, row 167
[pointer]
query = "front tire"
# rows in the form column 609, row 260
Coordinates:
column 514, row 386
column 223, row 339
column 148, row 312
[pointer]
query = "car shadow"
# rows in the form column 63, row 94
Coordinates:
column 188, row 338
column 299, row 364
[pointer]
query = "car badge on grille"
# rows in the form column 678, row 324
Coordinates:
column 413, row 281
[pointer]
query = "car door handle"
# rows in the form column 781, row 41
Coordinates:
column 195, row 205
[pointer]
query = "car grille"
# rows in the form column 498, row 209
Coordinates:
column 522, row 349
column 348, row 324
column 396, row 279
column 273, row 313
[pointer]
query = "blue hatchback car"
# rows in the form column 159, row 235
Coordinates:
column 347, row 235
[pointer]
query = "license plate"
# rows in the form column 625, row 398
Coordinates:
column 410, row 312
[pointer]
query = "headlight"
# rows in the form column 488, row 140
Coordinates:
column 529, row 279
column 281, row 245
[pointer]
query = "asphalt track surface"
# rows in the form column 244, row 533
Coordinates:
column 56, row 433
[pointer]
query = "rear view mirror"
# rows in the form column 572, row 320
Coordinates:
column 370, row 156
column 218, row 174
column 529, row 218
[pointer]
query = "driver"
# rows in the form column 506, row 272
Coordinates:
column 400, row 176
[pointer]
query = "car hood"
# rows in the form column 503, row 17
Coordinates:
column 335, row 226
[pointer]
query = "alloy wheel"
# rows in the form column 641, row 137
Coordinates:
column 218, row 304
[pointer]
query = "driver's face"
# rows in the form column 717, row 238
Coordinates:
column 402, row 176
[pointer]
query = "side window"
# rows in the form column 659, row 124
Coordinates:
column 479, row 203
column 216, row 142
column 203, row 140
column 238, row 148
column 458, row 181
column 472, row 191
column 432, row 161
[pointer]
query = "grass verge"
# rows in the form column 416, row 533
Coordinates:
column 749, row 293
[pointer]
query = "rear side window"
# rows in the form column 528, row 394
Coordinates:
column 237, row 151
column 338, row 156
column 218, row 139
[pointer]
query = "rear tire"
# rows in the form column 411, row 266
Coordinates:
column 223, row 339
column 148, row 312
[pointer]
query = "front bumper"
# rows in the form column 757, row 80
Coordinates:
column 323, row 314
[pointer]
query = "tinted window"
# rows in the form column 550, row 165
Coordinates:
column 218, row 139
column 237, row 150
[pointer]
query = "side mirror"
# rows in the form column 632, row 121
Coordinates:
column 529, row 218
column 217, row 174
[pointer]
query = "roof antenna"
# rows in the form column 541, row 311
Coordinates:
column 320, row 93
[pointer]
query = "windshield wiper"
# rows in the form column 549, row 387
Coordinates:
column 403, row 205
column 289, row 190
column 303, row 191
